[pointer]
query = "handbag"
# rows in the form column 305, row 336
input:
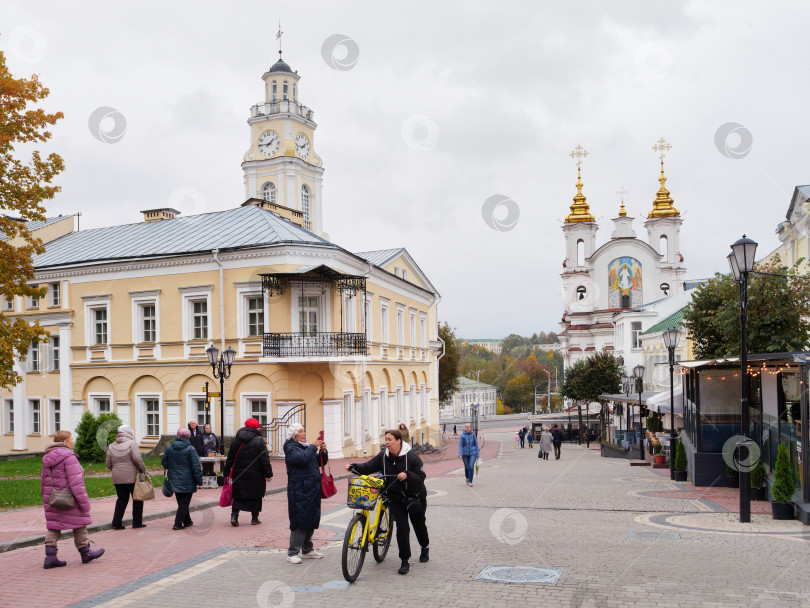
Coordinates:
column 60, row 499
column 328, row 488
column 226, row 496
column 144, row 490
column 167, row 488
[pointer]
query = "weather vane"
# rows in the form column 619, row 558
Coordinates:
column 579, row 153
column 662, row 146
column 278, row 36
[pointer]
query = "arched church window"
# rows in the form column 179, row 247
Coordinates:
column 665, row 288
column 305, row 207
column 662, row 246
column 285, row 91
column 580, row 252
column 274, row 87
column 269, row 192
column 582, row 292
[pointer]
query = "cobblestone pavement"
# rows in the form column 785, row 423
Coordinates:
column 612, row 534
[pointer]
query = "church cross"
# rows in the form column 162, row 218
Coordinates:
column 278, row 36
column 621, row 192
column 579, row 153
column 662, row 146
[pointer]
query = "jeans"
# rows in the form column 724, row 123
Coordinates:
column 557, row 451
column 182, row 518
column 124, row 491
column 300, row 540
column 403, row 530
column 469, row 467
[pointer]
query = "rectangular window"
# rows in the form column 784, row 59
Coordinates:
column 348, row 404
column 255, row 316
column 152, row 407
column 33, row 357
column 55, row 290
column 200, row 319
column 400, row 326
column 286, row 90
column 53, row 352
column 404, row 274
column 413, row 329
column 258, row 410
column 102, row 405
column 384, row 323
column 8, row 415
column 9, row 304
column 56, row 416
column 367, row 319
column 636, row 331
column 36, row 416
column 33, row 301
column 399, row 404
column 422, row 331
column 349, row 306
column 199, row 411
column 148, row 323
column 100, row 326
column 308, row 315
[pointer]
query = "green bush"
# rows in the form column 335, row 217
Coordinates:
column 731, row 472
column 783, row 485
column 94, row 434
column 758, row 475
column 681, row 463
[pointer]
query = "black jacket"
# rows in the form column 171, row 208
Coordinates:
column 407, row 462
column 196, row 440
column 251, row 468
column 303, row 484
column 556, row 436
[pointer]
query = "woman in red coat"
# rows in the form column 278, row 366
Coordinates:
column 61, row 471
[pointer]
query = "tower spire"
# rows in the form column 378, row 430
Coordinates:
column 621, row 192
column 662, row 205
column 580, row 212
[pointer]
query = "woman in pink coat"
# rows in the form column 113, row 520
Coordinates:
column 61, row 471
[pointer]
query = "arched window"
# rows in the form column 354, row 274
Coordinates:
column 662, row 246
column 275, row 90
column 269, row 192
column 286, row 91
column 295, row 92
column 665, row 288
column 582, row 292
column 580, row 252
column 305, row 207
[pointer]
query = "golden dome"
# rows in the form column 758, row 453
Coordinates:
column 662, row 205
column 580, row 212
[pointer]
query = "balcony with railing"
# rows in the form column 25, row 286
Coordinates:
column 285, row 106
column 318, row 344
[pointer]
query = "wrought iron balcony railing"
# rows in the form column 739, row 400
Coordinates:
column 318, row 344
column 285, row 106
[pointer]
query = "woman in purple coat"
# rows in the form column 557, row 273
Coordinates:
column 61, row 471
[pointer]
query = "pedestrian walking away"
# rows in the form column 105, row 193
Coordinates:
column 556, row 440
column 184, row 475
column 455, row 431
column 545, row 444
column 303, row 491
column 530, row 438
column 249, row 465
column 468, row 452
column 522, row 437
column 125, row 461
column 408, row 495
column 62, row 474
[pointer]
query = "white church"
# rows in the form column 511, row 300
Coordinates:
column 625, row 272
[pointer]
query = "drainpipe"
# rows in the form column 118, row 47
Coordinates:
column 215, row 253
column 786, row 228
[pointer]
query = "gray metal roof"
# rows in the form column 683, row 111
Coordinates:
column 380, row 257
column 242, row 227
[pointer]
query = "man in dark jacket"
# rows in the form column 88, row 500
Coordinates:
column 408, row 494
column 522, row 435
column 196, row 439
column 556, row 440
column 249, row 464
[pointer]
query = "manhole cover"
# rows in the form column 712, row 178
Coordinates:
column 520, row 574
column 668, row 535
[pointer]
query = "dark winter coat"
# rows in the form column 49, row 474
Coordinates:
column 67, row 475
column 210, row 443
column 521, row 433
column 252, row 468
column 406, row 462
column 304, row 484
column 197, row 439
column 183, row 465
column 556, row 436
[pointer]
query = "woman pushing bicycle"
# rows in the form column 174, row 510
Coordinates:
column 408, row 495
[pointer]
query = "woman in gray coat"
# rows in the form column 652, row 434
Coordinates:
column 125, row 461
column 545, row 444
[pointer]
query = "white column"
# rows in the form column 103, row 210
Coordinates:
column 20, row 410
column 332, row 427
column 359, row 438
column 69, row 421
column 374, row 431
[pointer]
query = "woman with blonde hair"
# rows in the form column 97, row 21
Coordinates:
column 61, row 471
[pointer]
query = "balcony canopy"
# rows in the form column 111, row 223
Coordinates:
column 321, row 277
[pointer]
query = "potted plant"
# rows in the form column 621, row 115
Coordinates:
column 681, row 463
column 659, row 456
column 758, row 489
column 783, row 486
column 733, row 477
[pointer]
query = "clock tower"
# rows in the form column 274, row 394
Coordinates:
column 281, row 166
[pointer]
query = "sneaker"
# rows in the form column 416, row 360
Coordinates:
column 312, row 555
column 293, row 559
column 468, row 483
column 403, row 569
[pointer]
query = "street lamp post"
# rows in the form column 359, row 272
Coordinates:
column 626, row 388
column 741, row 261
column 671, row 339
column 548, row 403
column 638, row 373
column 221, row 364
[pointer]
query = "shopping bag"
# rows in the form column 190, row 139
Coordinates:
column 167, row 487
column 477, row 465
column 226, row 496
column 144, row 490
column 328, row 488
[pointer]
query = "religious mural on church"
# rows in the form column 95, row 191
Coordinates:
column 624, row 283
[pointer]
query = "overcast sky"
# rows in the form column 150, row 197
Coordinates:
column 428, row 109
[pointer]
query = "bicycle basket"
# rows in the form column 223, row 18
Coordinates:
column 364, row 492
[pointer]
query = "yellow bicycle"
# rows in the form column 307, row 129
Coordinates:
column 372, row 525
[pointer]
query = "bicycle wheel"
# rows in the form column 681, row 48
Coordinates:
column 353, row 551
column 383, row 540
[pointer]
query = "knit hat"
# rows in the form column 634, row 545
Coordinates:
column 252, row 423
column 183, row 432
column 293, row 429
column 125, row 429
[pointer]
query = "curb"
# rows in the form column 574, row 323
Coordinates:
column 31, row 541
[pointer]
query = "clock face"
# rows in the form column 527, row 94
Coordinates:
column 302, row 146
column 269, row 143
